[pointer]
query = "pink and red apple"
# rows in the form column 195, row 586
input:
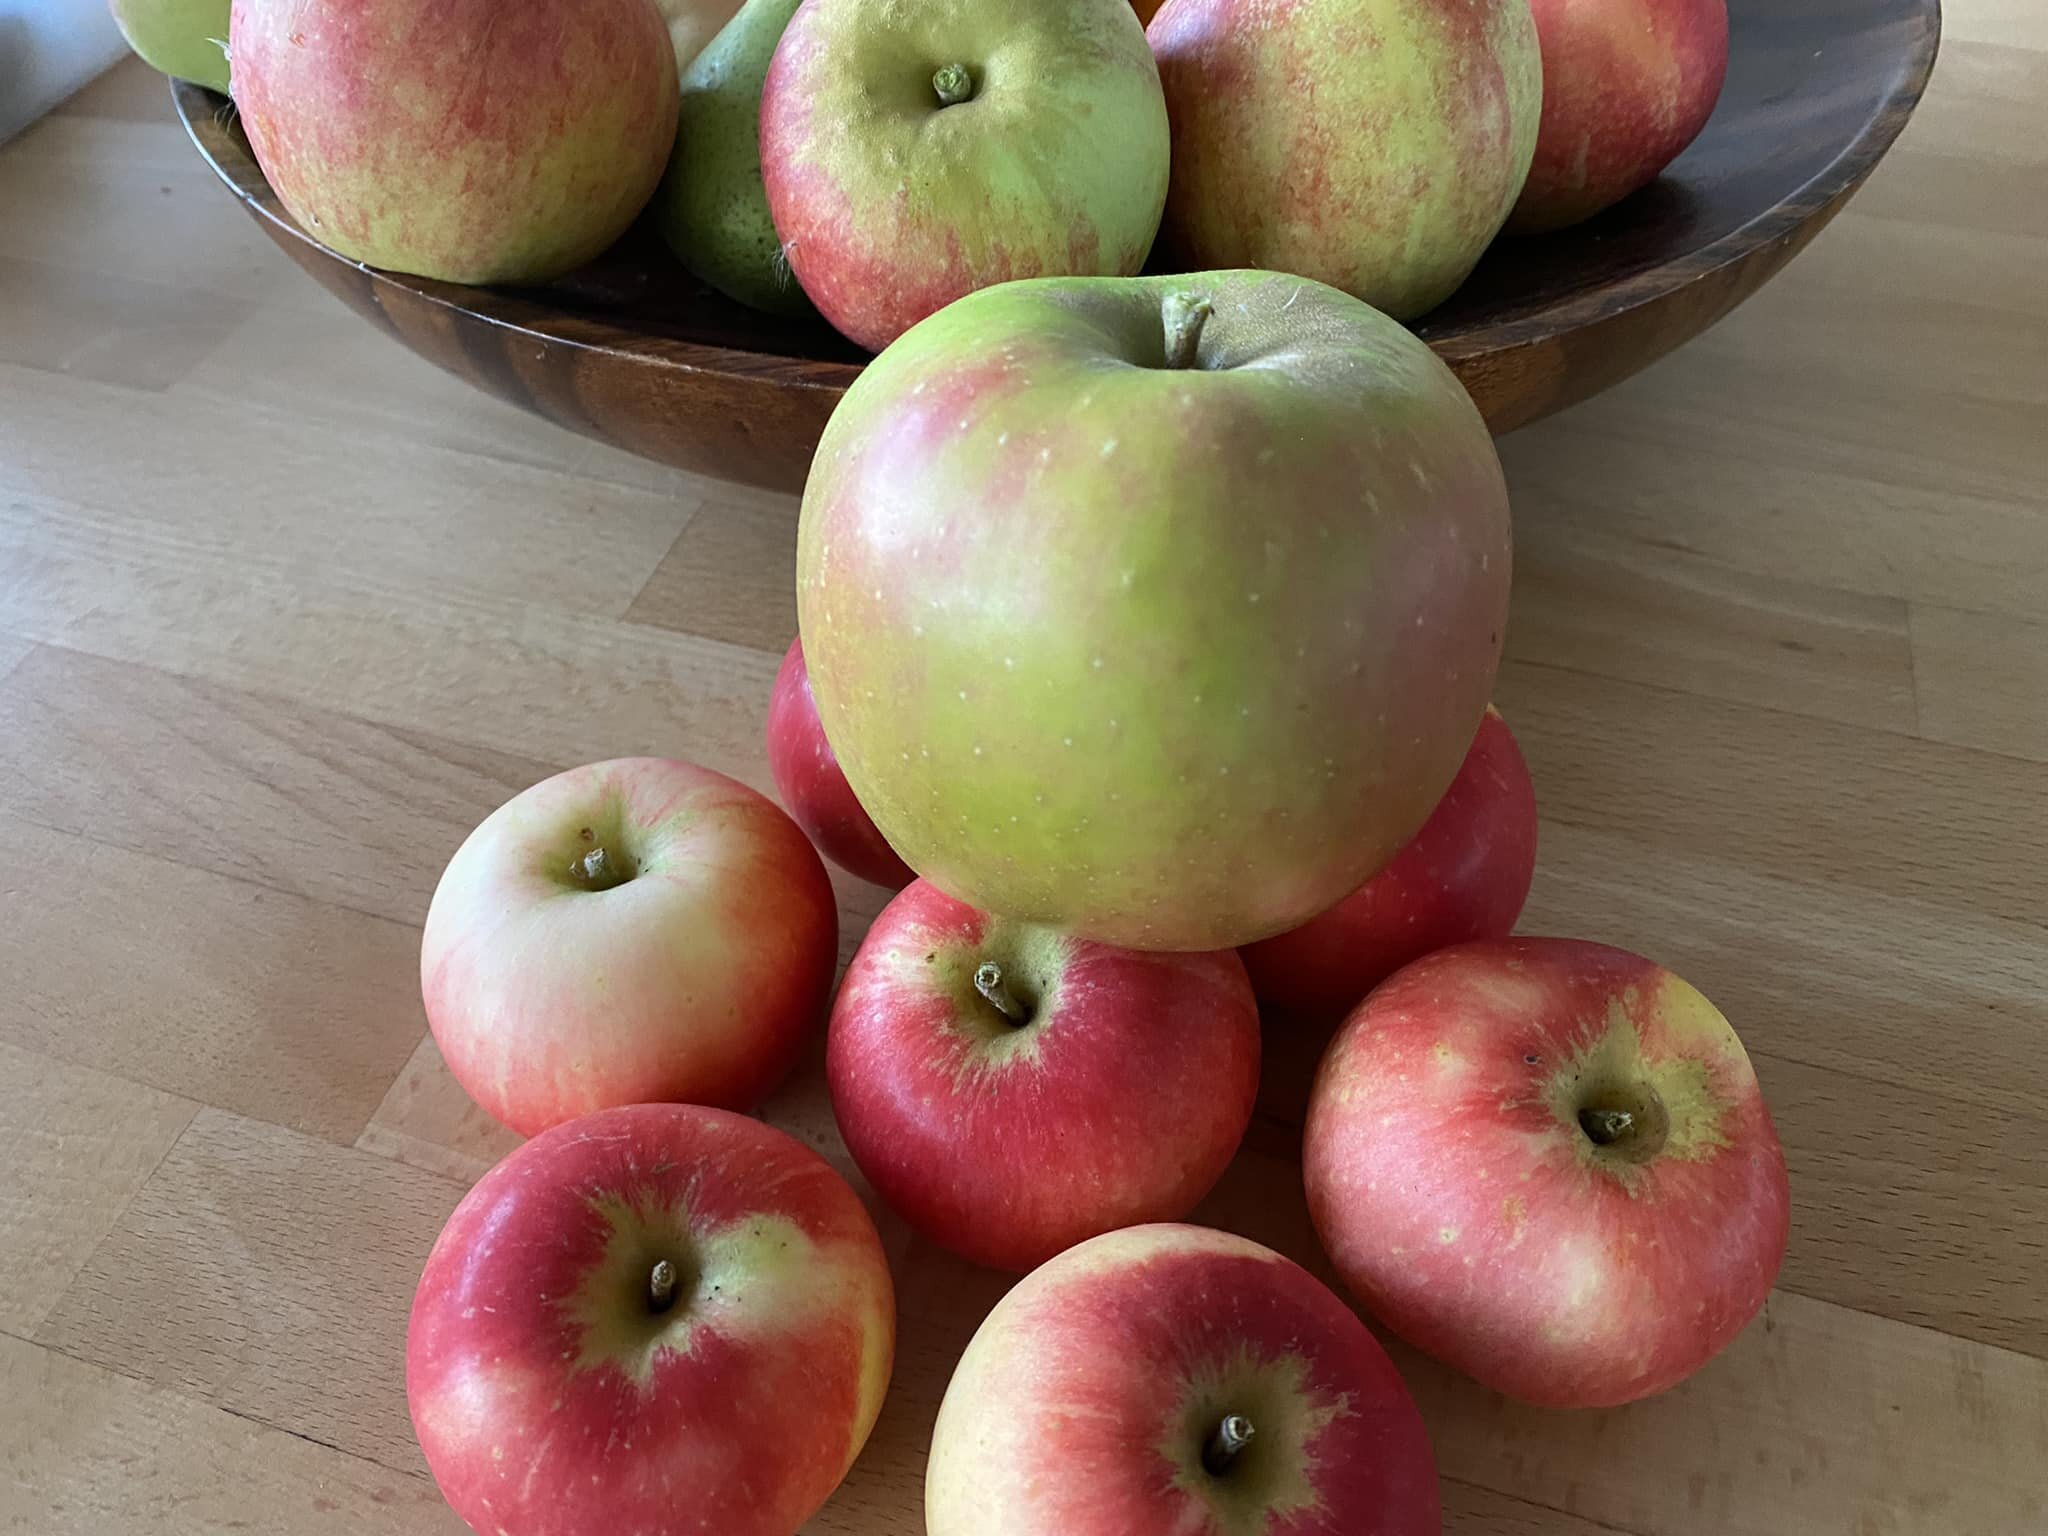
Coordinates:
column 915, row 153
column 1175, row 1379
column 468, row 140
column 1463, row 877
column 1010, row 1090
column 1627, row 84
column 814, row 786
column 1548, row 1164
column 660, row 1318
column 1073, row 679
column 628, row 931
column 1376, row 145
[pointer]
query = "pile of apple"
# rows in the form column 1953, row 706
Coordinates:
column 1148, row 628
column 880, row 160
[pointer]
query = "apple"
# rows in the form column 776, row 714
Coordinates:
column 1010, row 1091
column 659, row 1318
column 1627, row 85
column 814, row 787
column 185, row 38
column 1548, row 1164
column 467, row 140
column 1374, row 144
column 1175, row 1379
column 1463, row 877
column 1156, row 625
column 914, row 153
column 627, row 931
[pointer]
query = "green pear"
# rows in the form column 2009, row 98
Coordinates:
column 713, row 211
column 186, row 38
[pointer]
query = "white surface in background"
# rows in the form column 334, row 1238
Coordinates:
column 48, row 49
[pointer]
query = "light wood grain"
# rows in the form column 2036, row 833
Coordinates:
column 284, row 611
column 203, row 985
column 270, row 1274
column 75, row 1145
column 87, row 1451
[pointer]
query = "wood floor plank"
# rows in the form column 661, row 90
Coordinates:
column 86, row 1451
column 1983, row 679
column 422, row 519
column 120, row 331
column 75, row 1146
column 530, row 682
column 302, row 800
column 1640, row 613
column 1811, row 799
column 731, row 575
column 285, row 366
column 270, row 1274
column 201, row 985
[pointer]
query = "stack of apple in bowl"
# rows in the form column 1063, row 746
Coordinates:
column 1148, row 627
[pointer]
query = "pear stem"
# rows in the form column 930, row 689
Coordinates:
column 1182, row 315
column 988, row 981
column 1226, row 1444
column 953, row 84
column 661, row 1286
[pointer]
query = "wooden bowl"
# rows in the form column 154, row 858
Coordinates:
column 635, row 352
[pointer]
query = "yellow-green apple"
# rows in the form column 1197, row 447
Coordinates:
column 627, row 931
column 1627, row 84
column 661, row 1318
column 1157, row 610
column 1548, row 1164
column 186, row 38
column 1374, row 144
column 1464, row 876
column 1010, row 1091
column 467, row 140
column 919, row 150
column 1172, row 1379
column 813, row 785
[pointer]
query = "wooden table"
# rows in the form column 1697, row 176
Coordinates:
column 283, row 612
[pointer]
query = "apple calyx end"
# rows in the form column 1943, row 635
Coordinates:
column 995, row 991
column 661, row 1287
column 953, row 84
column 1181, row 317
column 1226, row 1443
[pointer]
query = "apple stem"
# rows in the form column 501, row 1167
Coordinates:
column 1182, row 315
column 661, row 1286
column 1226, row 1444
column 988, row 981
column 1604, row 1127
column 953, row 84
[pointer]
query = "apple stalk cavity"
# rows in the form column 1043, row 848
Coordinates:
column 1232, row 1435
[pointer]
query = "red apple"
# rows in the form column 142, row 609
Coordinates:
column 623, row 932
column 1010, row 1090
column 1171, row 1379
column 1463, row 877
column 1627, row 84
column 814, row 786
column 913, row 153
column 469, row 140
column 1375, row 145
column 1548, row 1164
column 658, row 1319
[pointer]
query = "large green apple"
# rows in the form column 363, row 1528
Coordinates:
column 185, row 38
column 1161, row 610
